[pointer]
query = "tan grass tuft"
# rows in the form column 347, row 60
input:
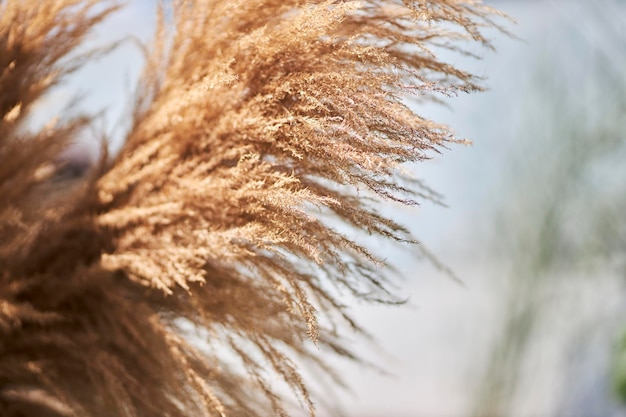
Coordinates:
column 258, row 124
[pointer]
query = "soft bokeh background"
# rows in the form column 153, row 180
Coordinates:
column 535, row 226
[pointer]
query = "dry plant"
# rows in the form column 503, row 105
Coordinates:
column 257, row 125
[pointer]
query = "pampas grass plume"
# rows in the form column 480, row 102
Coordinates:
column 257, row 125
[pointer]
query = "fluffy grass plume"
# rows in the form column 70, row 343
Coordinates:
column 180, row 277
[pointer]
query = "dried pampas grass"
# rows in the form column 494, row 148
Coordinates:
column 258, row 125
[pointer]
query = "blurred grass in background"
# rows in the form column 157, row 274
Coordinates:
column 561, row 227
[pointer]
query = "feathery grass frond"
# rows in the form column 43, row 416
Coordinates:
column 255, row 122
